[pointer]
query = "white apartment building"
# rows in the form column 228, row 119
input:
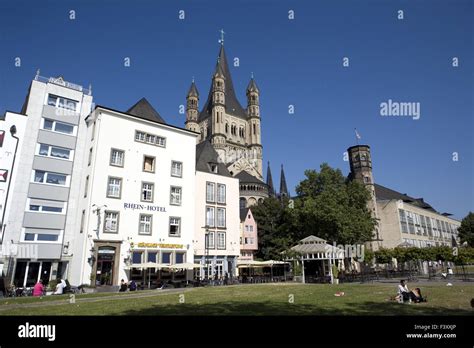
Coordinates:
column 217, row 227
column 137, row 192
column 40, row 216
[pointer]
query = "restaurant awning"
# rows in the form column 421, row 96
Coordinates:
column 186, row 265
column 148, row 265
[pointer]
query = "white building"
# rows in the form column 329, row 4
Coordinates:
column 12, row 130
column 137, row 190
column 40, row 217
column 217, row 231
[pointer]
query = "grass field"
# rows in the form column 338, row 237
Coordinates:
column 262, row 299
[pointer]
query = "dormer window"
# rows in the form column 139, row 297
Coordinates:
column 213, row 168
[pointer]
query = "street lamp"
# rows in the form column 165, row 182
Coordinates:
column 4, row 225
column 206, row 245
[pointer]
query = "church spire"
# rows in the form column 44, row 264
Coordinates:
column 271, row 190
column 283, row 187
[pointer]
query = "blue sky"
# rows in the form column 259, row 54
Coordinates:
column 297, row 62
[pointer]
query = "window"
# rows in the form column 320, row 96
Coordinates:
column 56, row 126
column 86, row 188
column 41, row 235
column 175, row 196
column 90, row 157
column 149, row 164
column 210, row 240
column 221, row 193
column 46, row 207
column 220, row 217
column 251, row 228
column 242, row 203
column 145, row 224
column 116, row 157
column 61, row 102
column 50, row 178
column 137, row 257
column 214, row 168
column 246, row 240
column 152, row 257
column 210, row 216
column 54, row 151
column 93, row 130
column 403, row 220
column 246, row 228
column 111, row 221
column 210, row 192
column 166, row 258
column 366, row 179
column 176, row 169
column 175, row 227
column 83, row 217
column 114, row 187
column 179, row 258
column 147, row 192
column 221, row 240
column 144, row 137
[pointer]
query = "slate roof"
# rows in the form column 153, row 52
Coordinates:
column 244, row 176
column 243, row 214
column 205, row 154
column 252, row 86
column 232, row 105
column 143, row 109
column 193, row 92
column 271, row 190
column 384, row 193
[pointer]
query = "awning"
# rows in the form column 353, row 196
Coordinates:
column 186, row 265
column 147, row 265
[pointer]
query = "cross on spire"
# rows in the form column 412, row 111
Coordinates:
column 221, row 41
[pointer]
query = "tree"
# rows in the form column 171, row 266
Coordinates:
column 333, row 208
column 466, row 230
column 275, row 224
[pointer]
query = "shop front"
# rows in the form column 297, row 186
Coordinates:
column 28, row 272
column 162, row 255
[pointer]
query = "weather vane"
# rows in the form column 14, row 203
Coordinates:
column 221, row 41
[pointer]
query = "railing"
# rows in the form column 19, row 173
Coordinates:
column 60, row 82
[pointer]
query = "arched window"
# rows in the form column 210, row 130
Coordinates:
column 226, row 128
column 254, row 129
column 243, row 203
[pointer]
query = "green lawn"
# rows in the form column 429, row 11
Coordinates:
column 264, row 299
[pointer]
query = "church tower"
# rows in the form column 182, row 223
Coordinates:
column 192, row 104
column 216, row 123
column 253, row 111
column 361, row 170
column 233, row 131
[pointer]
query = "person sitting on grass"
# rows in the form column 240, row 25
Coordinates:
column 60, row 287
column 38, row 290
column 123, row 286
column 406, row 295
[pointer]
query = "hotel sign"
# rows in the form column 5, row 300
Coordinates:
column 160, row 245
column 147, row 207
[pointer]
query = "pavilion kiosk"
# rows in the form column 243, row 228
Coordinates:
column 317, row 258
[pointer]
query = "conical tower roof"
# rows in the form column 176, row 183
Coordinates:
column 232, row 104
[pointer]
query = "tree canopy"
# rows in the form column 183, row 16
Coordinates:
column 466, row 230
column 328, row 206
